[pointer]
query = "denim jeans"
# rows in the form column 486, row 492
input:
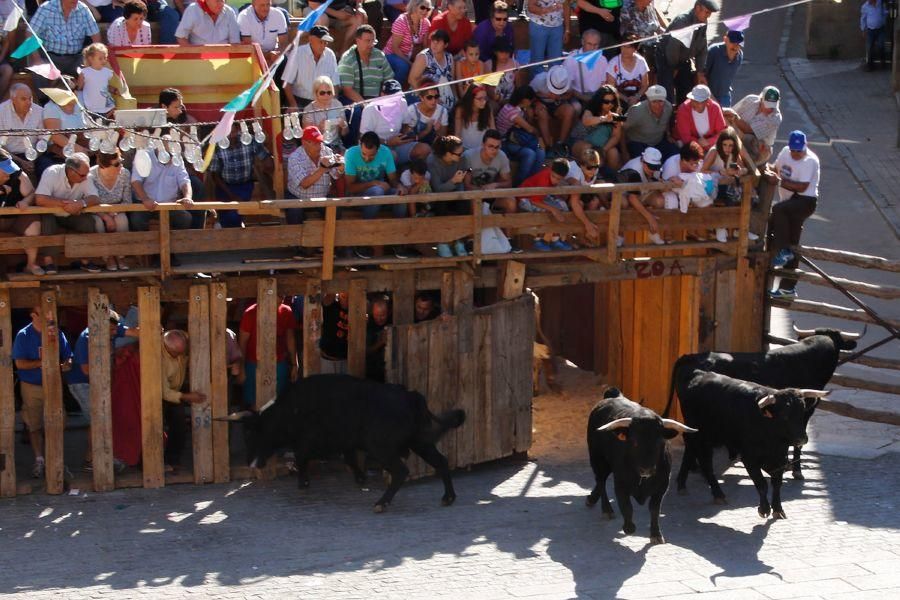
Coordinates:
column 168, row 19
column 546, row 42
column 400, row 67
column 786, row 226
column 874, row 43
column 530, row 160
column 232, row 218
column 370, row 212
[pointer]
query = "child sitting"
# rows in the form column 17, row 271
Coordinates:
column 416, row 180
column 97, row 81
column 469, row 65
column 552, row 176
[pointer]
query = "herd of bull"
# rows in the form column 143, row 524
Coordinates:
column 755, row 404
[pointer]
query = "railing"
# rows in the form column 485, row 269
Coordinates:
column 332, row 233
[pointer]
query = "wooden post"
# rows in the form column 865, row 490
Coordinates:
column 99, row 357
column 744, row 228
column 707, row 312
column 151, row 387
column 7, row 400
column 404, row 297
column 467, row 388
column 447, row 292
column 165, row 254
column 312, row 328
column 477, row 227
column 266, row 320
column 356, row 343
column 512, row 279
column 218, row 388
column 54, row 416
column 328, row 242
column 199, row 357
column 612, row 230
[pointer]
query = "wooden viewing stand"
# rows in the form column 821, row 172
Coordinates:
column 647, row 305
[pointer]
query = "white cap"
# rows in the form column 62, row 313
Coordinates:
column 652, row 158
column 700, row 93
column 558, row 80
column 656, row 92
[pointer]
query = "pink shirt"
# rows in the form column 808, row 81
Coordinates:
column 118, row 36
column 402, row 29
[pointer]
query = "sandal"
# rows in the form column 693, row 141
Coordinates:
column 35, row 270
column 50, row 269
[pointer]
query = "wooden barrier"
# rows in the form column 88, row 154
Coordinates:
column 51, row 377
column 99, row 371
column 200, row 381
column 151, row 387
column 7, row 400
column 218, row 388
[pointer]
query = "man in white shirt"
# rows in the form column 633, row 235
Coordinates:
column 261, row 25
column 758, row 118
column 586, row 80
column 211, row 23
column 306, row 63
column 798, row 189
column 20, row 112
column 642, row 169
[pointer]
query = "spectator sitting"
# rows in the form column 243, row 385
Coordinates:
column 436, row 64
column 208, row 22
column 488, row 169
column 26, row 355
column 347, row 12
column 642, row 169
column 473, row 117
column 497, row 26
column 232, row 171
column 677, row 65
column 426, row 308
column 603, row 16
column 62, row 26
column 387, row 122
column 585, row 171
column 408, row 31
column 311, row 170
column 556, row 101
column 113, row 184
column 647, row 124
column 456, row 23
column 629, row 73
column 415, row 180
column 757, row 118
column 335, row 332
column 699, row 119
column 552, row 176
column 327, row 114
column 722, row 63
column 97, row 81
column 601, row 128
column 21, row 112
column 172, row 100
column 363, row 69
column 165, row 183
column 521, row 139
column 427, row 119
column 168, row 16
column 174, row 367
column 376, row 338
column 306, row 65
column 678, row 169
column 17, row 191
column 62, row 112
column 132, row 28
column 586, row 79
column 548, row 29
column 468, row 66
column 259, row 24
column 512, row 76
column 726, row 159
column 287, row 365
column 447, row 168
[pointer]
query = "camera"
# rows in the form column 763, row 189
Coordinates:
column 733, row 165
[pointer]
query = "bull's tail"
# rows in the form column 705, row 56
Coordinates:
column 671, row 400
column 441, row 424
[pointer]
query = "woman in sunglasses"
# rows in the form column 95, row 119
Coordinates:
column 600, row 128
column 327, row 113
column 490, row 29
column 427, row 119
column 113, row 183
column 409, row 31
column 585, row 171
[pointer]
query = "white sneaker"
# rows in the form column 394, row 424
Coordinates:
column 657, row 239
column 721, row 235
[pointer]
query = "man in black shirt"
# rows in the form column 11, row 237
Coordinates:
column 335, row 332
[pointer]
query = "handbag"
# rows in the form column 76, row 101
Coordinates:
column 523, row 138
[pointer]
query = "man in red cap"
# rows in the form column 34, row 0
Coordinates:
column 312, row 168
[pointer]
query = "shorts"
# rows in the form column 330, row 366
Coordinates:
column 402, row 152
column 526, row 205
column 332, row 367
column 670, row 200
column 32, row 405
column 18, row 224
column 82, row 394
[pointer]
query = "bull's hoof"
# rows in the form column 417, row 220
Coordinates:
column 628, row 528
column 764, row 511
column 448, row 500
column 797, row 474
column 379, row 508
column 778, row 514
column 590, row 501
column 720, row 500
column 657, row 539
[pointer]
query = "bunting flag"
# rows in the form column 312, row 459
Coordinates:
column 26, row 47
column 309, row 21
column 267, row 79
column 737, row 23
column 490, row 78
column 47, row 71
column 223, row 129
column 390, row 108
column 59, row 96
column 242, row 100
column 685, row 35
column 12, row 20
column 207, row 158
column 589, row 59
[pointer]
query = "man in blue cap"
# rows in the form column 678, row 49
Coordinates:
column 722, row 63
column 798, row 189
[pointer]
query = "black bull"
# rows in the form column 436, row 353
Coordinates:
column 324, row 415
column 809, row 363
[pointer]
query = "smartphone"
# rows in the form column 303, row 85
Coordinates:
column 619, row 118
column 469, row 170
column 733, row 166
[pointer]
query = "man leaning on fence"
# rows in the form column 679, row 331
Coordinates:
column 174, row 367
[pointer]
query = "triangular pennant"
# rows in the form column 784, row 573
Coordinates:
column 207, row 158
column 267, row 79
column 242, row 100
column 390, row 108
column 685, row 35
column 12, row 20
column 47, row 71
column 490, row 78
column 26, row 47
column 737, row 23
column 589, row 59
column 309, row 21
column 223, row 129
column 59, row 96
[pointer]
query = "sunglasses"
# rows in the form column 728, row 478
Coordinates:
column 424, row 8
column 501, row 19
column 430, row 96
column 325, row 93
column 607, row 101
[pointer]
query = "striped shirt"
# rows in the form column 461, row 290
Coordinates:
column 374, row 74
column 59, row 34
column 402, row 35
column 506, row 118
column 118, row 35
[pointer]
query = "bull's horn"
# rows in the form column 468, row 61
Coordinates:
column 802, row 333
column 849, row 336
column 814, row 393
column 766, row 401
column 238, row 416
column 267, row 405
column 618, row 423
column 673, row 424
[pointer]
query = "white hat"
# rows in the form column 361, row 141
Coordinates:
column 558, row 80
column 700, row 93
column 652, row 158
column 656, row 92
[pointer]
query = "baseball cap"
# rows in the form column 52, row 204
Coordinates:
column 700, row 93
column 8, row 166
column 709, row 5
column 797, row 141
column 312, row 134
column 771, row 96
column 656, row 92
column 736, row 37
column 558, row 80
column 321, row 33
column 652, row 158
column 391, row 86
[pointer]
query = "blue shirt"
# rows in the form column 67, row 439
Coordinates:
column 79, row 357
column 872, row 16
column 164, row 182
column 377, row 170
column 27, row 346
column 60, row 35
column 720, row 71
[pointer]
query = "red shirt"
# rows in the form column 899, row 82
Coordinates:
column 539, row 179
column 284, row 326
column 463, row 31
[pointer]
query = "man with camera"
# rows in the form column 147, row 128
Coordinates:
column 311, row 169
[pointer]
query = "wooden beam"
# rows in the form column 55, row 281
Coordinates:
column 91, row 245
column 328, row 237
column 512, row 279
column 356, row 342
column 236, row 238
column 218, row 390
column 707, row 309
column 404, row 297
column 312, row 328
column 7, row 400
column 612, row 227
column 99, row 355
column 863, row 414
column 888, row 292
column 54, row 415
column 165, row 250
column 872, row 361
column 744, row 225
column 829, row 310
column 863, row 261
column 151, row 387
column 200, row 381
column 478, row 227
column 266, row 323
